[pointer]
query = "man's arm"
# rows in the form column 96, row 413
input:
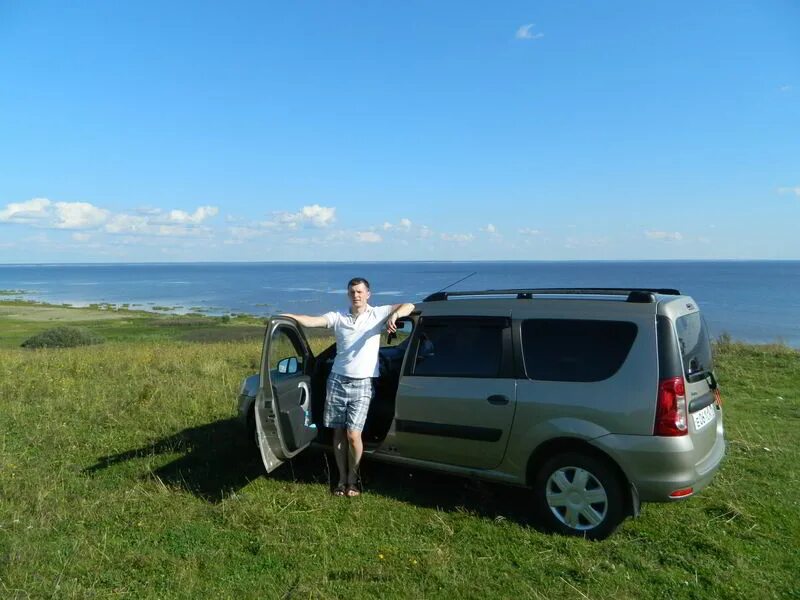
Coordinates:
column 398, row 312
column 307, row 320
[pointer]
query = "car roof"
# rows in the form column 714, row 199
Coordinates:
column 591, row 300
column 629, row 294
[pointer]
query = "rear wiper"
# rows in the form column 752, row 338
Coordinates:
column 696, row 376
column 712, row 381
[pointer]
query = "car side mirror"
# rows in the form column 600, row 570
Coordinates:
column 288, row 366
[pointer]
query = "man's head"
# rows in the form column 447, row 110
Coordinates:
column 358, row 292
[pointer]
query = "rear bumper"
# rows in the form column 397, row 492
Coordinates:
column 658, row 466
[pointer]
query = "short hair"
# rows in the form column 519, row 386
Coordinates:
column 356, row 281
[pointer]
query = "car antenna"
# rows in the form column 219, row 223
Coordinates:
column 459, row 281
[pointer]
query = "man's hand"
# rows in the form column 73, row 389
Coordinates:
column 391, row 323
column 398, row 312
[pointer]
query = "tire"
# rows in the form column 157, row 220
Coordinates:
column 578, row 494
column 252, row 433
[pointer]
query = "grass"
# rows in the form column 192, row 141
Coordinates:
column 22, row 319
column 124, row 474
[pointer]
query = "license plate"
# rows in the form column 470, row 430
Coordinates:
column 703, row 417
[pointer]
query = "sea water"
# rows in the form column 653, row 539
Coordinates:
column 755, row 301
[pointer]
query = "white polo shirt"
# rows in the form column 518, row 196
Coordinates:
column 358, row 340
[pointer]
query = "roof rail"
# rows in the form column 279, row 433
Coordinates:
column 633, row 294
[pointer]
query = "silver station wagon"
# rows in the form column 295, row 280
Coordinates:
column 595, row 399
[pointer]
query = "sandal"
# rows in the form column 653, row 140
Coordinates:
column 340, row 490
column 352, row 491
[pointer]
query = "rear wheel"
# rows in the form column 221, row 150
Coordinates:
column 578, row 494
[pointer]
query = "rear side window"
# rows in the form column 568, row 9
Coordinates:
column 575, row 349
column 460, row 347
column 695, row 346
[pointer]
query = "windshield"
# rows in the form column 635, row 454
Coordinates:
column 695, row 347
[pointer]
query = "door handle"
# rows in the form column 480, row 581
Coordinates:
column 304, row 394
column 498, row 399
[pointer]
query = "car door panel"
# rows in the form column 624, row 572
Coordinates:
column 451, row 420
column 283, row 407
column 456, row 399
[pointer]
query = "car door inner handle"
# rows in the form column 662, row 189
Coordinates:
column 498, row 399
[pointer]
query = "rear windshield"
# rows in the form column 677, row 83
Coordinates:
column 695, row 347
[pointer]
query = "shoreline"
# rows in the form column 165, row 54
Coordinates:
column 409, row 262
column 7, row 298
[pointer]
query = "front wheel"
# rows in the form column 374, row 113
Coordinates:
column 578, row 494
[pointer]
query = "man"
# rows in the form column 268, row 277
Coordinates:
column 350, row 388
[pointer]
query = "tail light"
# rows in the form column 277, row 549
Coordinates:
column 717, row 398
column 671, row 408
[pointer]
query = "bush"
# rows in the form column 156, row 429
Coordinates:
column 63, row 337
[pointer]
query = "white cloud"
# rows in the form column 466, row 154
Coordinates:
column 491, row 230
column 316, row 215
column 282, row 222
column 587, row 242
column 127, row 224
column 297, row 241
column 175, row 223
column 785, row 88
column 32, row 211
column 245, row 233
column 38, row 238
column 81, row 237
column 525, row 33
column 404, row 225
column 180, row 230
column 60, row 215
column 666, row 236
column 368, row 237
column 457, row 237
column 79, row 215
column 528, row 231
column 424, row 232
column 790, row 190
column 197, row 217
column 148, row 210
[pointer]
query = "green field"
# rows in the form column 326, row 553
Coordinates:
column 124, row 474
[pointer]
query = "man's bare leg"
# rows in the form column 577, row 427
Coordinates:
column 340, row 451
column 356, row 449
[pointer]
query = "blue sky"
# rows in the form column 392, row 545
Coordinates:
column 153, row 131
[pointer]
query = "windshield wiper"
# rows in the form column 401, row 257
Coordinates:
column 695, row 376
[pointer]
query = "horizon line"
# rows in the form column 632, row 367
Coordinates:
column 477, row 261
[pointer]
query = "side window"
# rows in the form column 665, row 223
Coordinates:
column 286, row 357
column 460, row 347
column 575, row 349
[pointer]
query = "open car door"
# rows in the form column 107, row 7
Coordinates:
column 284, row 423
